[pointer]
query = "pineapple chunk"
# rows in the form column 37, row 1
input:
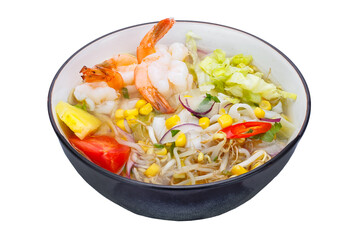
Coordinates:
column 79, row 121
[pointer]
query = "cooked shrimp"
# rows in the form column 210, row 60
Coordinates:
column 98, row 96
column 147, row 44
column 102, row 74
column 147, row 90
column 124, row 64
column 117, row 72
column 161, row 72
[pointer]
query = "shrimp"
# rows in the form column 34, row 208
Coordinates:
column 147, row 44
column 98, row 96
column 117, row 72
column 102, row 74
column 145, row 57
column 124, row 64
column 147, row 90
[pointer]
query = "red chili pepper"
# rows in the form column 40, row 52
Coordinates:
column 246, row 129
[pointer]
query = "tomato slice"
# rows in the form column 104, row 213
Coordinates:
column 104, row 151
column 246, row 129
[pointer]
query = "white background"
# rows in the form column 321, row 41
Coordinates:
column 316, row 196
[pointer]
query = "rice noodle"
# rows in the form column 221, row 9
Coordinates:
column 187, row 168
column 177, row 158
column 202, row 169
column 140, row 166
column 129, row 144
column 192, row 178
column 152, row 134
column 139, row 161
column 183, row 182
column 187, row 162
column 209, row 149
column 203, row 177
column 244, row 151
column 187, row 153
column 214, row 118
column 234, row 113
column 167, row 166
column 224, row 162
column 216, row 151
column 136, row 174
column 251, row 159
column 213, row 128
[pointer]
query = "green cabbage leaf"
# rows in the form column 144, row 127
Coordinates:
column 233, row 76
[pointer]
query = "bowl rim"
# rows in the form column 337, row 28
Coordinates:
column 219, row 183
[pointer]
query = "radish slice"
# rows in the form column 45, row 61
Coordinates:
column 184, row 128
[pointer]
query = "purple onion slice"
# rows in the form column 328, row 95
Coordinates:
column 184, row 128
column 195, row 113
column 270, row 119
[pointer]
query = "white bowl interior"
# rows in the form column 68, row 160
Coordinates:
column 212, row 37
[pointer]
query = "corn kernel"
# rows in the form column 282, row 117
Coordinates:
column 120, row 113
column 187, row 96
column 121, row 124
column 265, row 105
column 180, row 140
column 238, row 170
column 259, row 113
column 131, row 112
column 131, row 119
column 200, row 158
column 153, row 170
column 172, row 121
column 219, row 136
column 204, row 122
column 179, row 175
column 225, row 120
column 140, row 103
column 146, row 109
column 161, row 152
column 222, row 111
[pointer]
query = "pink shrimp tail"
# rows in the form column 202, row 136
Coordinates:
column 147, row 45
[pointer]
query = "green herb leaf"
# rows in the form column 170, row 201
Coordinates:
column 125, row 93
column 269, row 135
column 81, row 106
column 171, row 150
column 157, row 145
column 205, row 104
column 210, row 97
column 250, row 131
column 215, row 158
column 174, row 132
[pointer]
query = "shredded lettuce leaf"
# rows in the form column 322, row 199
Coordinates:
column 202, row 78
column 232, row 75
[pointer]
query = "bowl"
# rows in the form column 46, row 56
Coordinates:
column 182, row 202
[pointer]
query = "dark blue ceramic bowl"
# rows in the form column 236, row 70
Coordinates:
column 182, row 202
